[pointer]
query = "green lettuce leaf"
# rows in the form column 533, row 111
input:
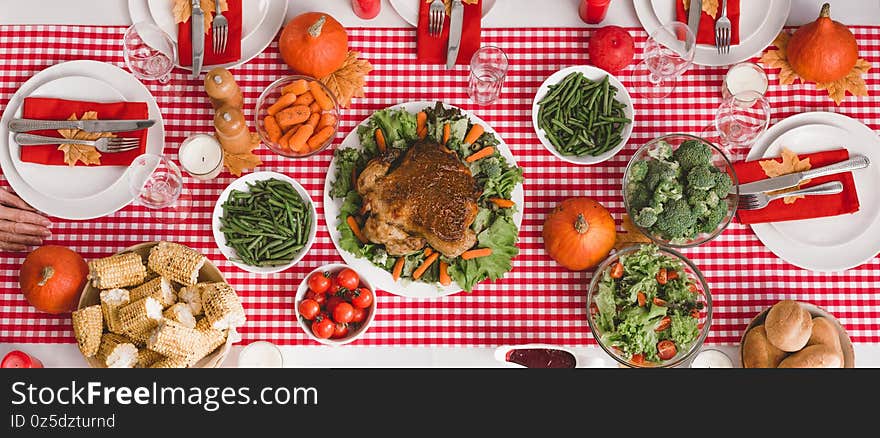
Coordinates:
column 501, row 236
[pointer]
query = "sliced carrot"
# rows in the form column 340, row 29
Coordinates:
column 422, row 124
column 355, row 228
column 313, row 120
column 447, row 130
column 285, row 139
column 320, row 137
column 501, row 202
column 304, row 99
column 474, row 253
column 428, row 251
column 380, row 140
column 398, row 268
column 299, row 141
column 320, row 96
column 291, row 116
column 422, row 133
column 284, row 101
column 327, row 119
column 475, row 133
column 425, row 265
column 482, row 153
column 297, row 87
column 315, row 108
column 272, row 128
column 444, row 274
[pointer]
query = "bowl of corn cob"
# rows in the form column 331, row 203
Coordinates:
column 157, row 305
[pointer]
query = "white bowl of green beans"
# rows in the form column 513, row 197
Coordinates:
column 264, row 222
column 583, row 114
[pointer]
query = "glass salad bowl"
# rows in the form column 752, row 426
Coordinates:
column 636, row 328
column 662, row 201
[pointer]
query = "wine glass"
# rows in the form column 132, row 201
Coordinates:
column 149, row 52
column 156, row 183
column 668, row 53
column 739, row 120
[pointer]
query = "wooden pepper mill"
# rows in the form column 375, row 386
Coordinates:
column 222, row 89
column 232, row 131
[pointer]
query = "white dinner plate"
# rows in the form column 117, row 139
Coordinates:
column 594, row 74
column 104, row 190
column 381, row 278
column 409, row 9
column 835, row 243
column 261, row 20
column 760, row 23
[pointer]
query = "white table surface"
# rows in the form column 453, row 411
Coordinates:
column 506, row 13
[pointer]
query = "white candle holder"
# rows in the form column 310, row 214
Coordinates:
column 201, row 156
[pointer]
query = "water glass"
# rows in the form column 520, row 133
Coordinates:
column 739, row 120
column 488, row 70
column 668, row 53
column 156, row 183
column 149, row 52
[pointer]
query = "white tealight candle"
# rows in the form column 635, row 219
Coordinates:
column 201, row 155
column 711, row 359
column 260, row 354
column 744, row 76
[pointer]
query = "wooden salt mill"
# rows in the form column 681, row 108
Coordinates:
column 222, row 89
column 232, row 131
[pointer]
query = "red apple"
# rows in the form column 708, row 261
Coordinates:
column 611, row 48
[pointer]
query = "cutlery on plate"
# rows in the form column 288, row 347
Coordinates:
column 220, row 29
column 25, row 125
column 103, row 144
column 694, row 12
column 722, row 31
column 757, row 201
column 456, row 19
column 793, row 179
column 198, row 38
column 436, row 15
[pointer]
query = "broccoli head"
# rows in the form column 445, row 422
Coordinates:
column 700, row 177
column 712, row 199
column 692, row 153
column 695, row 196
column 646, row 217
column 637, row 196
column 638, row 171
column 662, row 151
column 668, row 190
column 723, row 184
column 715, row 216
column 660, row 171
column 701, row 209
column 677, row 220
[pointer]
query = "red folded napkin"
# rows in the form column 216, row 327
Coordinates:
column 808, row 207
column 706, row 30
column 432, row 50
column 233, row 39
column 43, row 108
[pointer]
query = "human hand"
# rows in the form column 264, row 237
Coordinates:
column 20, row 225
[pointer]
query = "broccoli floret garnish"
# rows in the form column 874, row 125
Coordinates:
column 676, row 219
column 660, row 171
column 723, row 184
column 700, row 177
column 638, row 171
column 715, row 216
column 638, row 197
column 668, row 190
column 646, row 217
column 693, row 153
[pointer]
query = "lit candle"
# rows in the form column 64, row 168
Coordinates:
column 201, row 156
column 711, row 359
column 260, row 354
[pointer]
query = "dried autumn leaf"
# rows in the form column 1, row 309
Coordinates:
column 448, row 4
column 790, row 163
column 349, row 80
column 78, row 152
column 182, row 10
column 630, row 235
column 709, row 6
column 236, row 163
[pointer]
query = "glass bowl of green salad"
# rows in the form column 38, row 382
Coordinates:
column 649, row 306
column 680, row 190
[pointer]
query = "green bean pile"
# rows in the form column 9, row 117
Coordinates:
column 266, row 225
column 582, row 117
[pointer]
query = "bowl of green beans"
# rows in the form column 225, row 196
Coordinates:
column 264, row 222
column 583, row 114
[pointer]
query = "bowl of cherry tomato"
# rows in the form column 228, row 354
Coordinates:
column 334, row 304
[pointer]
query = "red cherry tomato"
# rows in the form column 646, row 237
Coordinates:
column 663, row 324
column 319, row 282
column 638, row 358
column 659, row 302
column 340, row 330
column 358, row 314
column 323, row 328
column 309, row 309
column 362, row 298
column 334, row 286
column 348, row 279
column 594, row 309
column 343, row 312
column 332, row 302
column 319, row 298
column 666, row 349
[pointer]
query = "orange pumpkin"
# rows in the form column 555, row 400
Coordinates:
column 52, row 278
column 579, row 233
column 824, row 50
column 313, row 44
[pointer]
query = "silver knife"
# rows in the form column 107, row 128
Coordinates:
column 694, row 12
column 793, row 179
column 456, row 17
column 25, row 125
column 198, row 38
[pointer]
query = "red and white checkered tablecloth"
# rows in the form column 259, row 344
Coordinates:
column 538, row 301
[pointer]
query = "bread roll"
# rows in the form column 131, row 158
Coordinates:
column 814, row 356
column 788, row 325
column 758, row 352
column 825, row 333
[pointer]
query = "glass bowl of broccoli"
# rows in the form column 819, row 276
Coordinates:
column 680, row 190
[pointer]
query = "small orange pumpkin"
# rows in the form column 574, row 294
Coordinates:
column 313, row 44
column 52, row 278
column 579, row 233
column 824, row 50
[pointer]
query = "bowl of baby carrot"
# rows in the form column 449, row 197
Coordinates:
column 297, row 116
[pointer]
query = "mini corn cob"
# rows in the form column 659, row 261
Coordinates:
column 140, row 316
column 117, row 351
column 192, row 295
column 147, row 358
column 174, row 340
column 180, row 313
column 169, row 363
column 222, row 306
column 121, row 270
column 88, row 326
column 111, row 301
column 212, row 338
column 176, row 262
column 159, row 288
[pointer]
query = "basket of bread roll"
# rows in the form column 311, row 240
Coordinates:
column 793, row 334
column 156, row 305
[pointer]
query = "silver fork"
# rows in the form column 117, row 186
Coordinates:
column 220, row 29
column 436, row 15
column 722, row 31
column 104, row 144
column 757, row 201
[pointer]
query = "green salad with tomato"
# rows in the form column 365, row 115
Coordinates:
column 646, row 306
